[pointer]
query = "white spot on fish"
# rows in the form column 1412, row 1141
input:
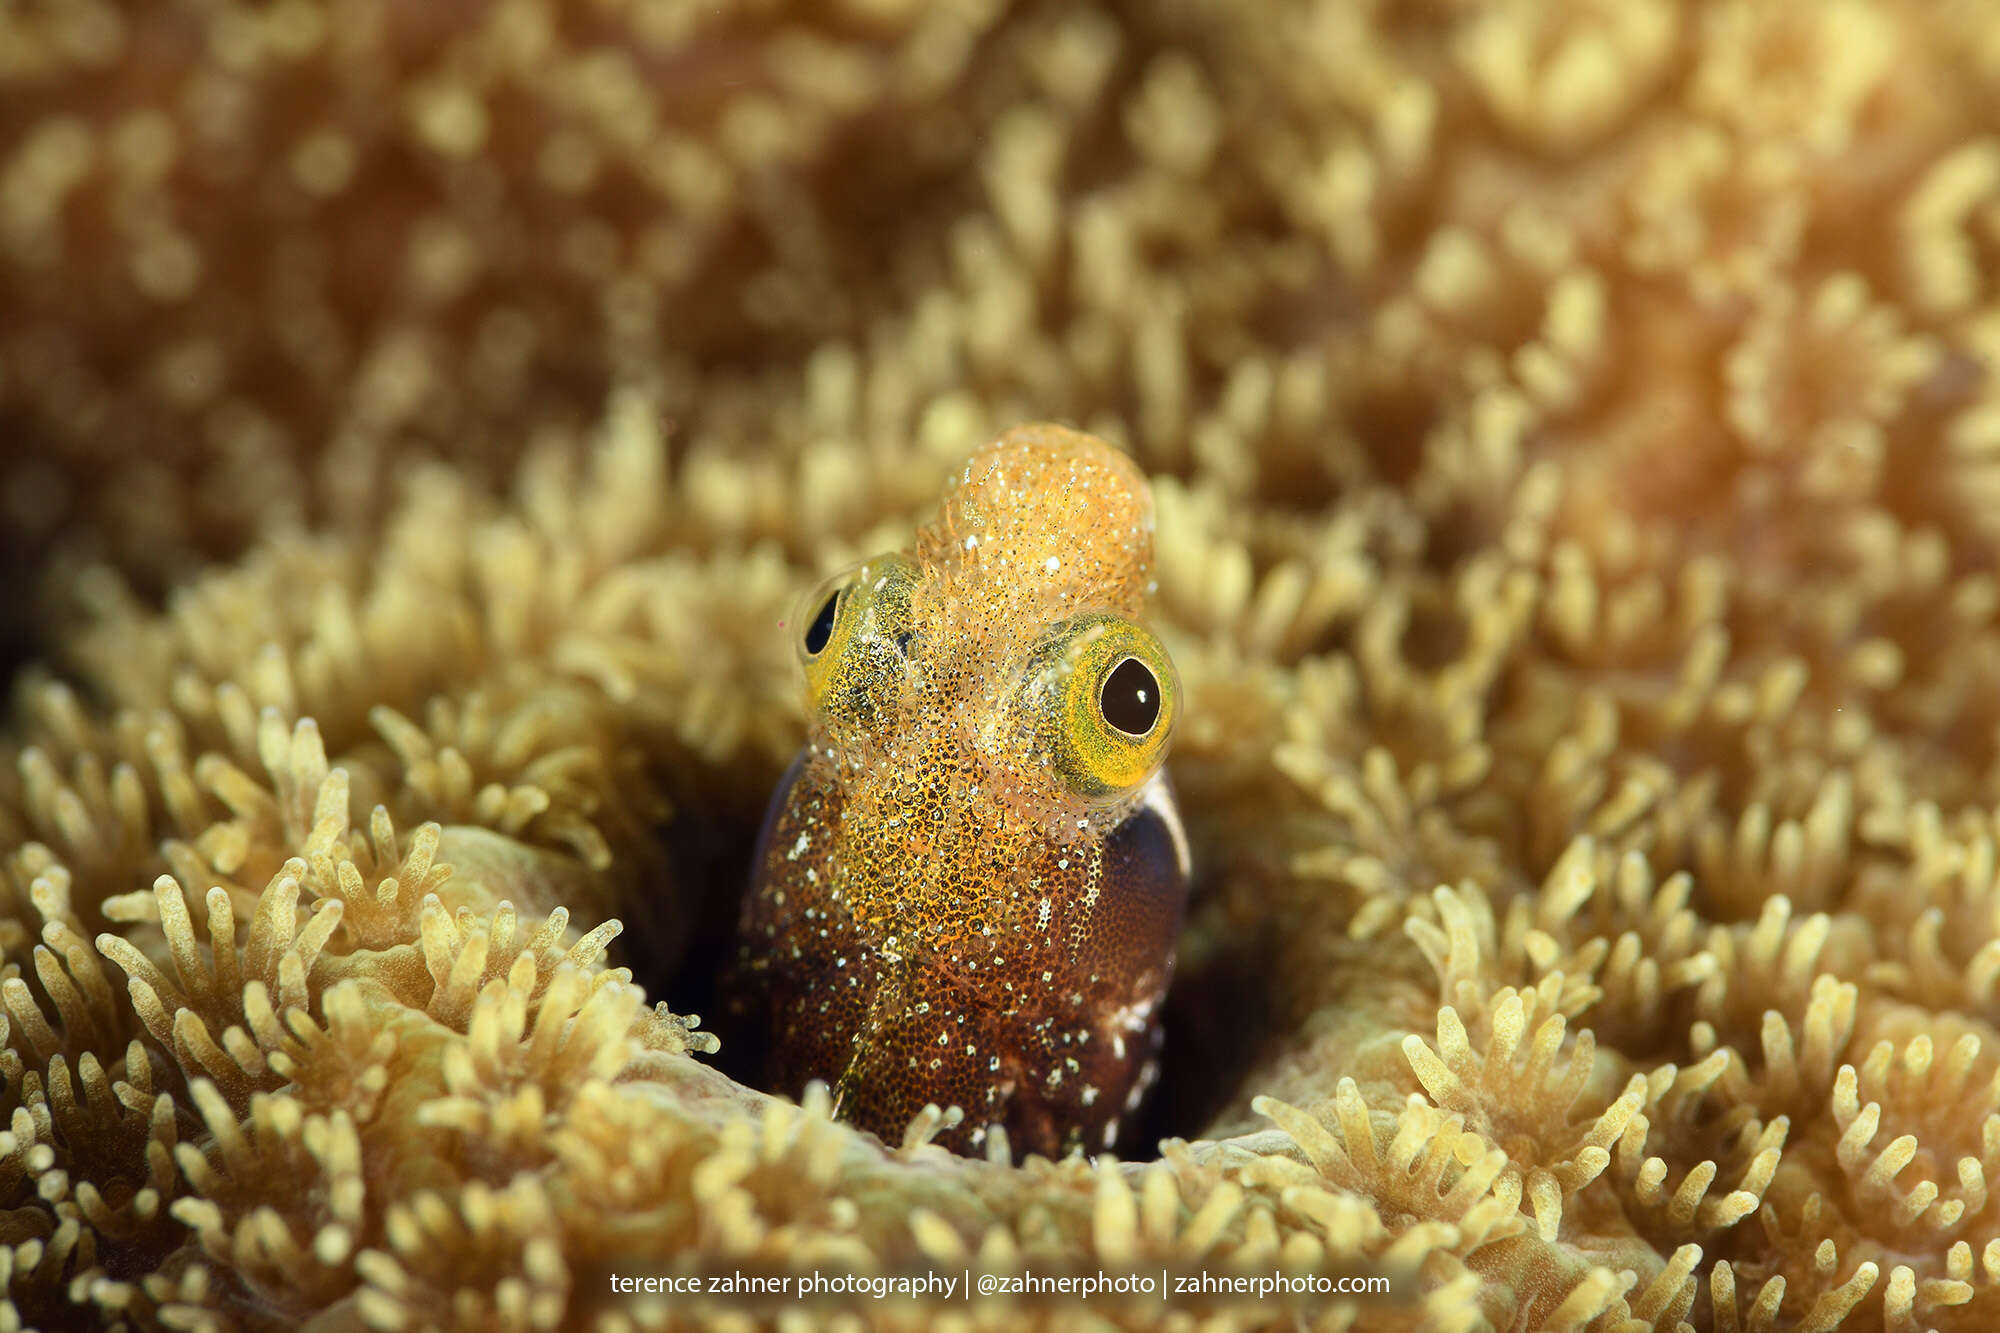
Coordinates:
column 1158, row 797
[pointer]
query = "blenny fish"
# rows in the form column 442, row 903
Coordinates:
column 969, row 883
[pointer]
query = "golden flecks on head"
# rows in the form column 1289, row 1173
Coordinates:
column 983, row 661
column 1044, row 517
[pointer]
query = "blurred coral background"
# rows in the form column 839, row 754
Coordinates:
column 1574, row 431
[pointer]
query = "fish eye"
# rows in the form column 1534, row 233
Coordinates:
column 854, row 635
column 821, row 629
column 1130, row 698
column 1103, row 697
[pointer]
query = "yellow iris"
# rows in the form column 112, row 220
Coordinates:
column 852, row 631
column 1108, row 697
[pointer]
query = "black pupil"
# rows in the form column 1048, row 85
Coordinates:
column 1131, row 698
column 821, row 629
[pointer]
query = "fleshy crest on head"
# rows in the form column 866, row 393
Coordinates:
column 1043, row 523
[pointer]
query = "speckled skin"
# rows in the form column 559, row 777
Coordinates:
column 967, row 891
